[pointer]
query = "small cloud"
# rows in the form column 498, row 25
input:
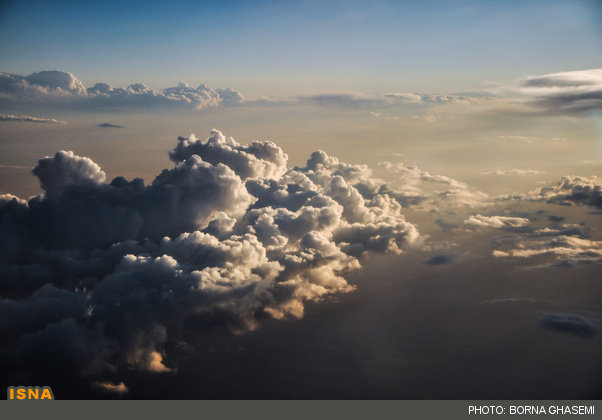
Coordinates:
column 379, row 115
column 119, row 388
column 29, row 118
column 440, row 259
column 430, row 118
column 569, row 323
column 446, row 224
column 155, row 364
column 109, row 125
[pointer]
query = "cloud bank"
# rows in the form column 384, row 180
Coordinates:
column 59, row 89
column 98, row 277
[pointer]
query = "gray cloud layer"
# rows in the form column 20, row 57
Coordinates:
column 573, row 92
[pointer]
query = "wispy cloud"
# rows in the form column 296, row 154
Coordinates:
column 513, row 172
column 13, row 167
column 29, row 118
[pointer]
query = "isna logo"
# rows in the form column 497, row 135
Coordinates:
column 29, row 393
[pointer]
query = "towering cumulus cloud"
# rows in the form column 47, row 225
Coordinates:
column 98, row 277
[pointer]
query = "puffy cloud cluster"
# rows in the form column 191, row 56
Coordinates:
column 40, row 84
column 573, row 92
column 571, row 190
column 97, row 277
column 29, row 118
column 56, row 87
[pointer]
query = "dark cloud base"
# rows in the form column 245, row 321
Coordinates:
column 406, row 333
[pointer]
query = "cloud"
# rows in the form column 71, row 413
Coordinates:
column 571, row 190
column 437, row 99
column 569, row 323
column 344, row 100
column 28, row 118
column 391, row 99
column 573, row 92
column 406, row 183
column 62, row 89
column 499, row 222
column 101, row 277
column 13, row 167
column 54, row 89
column 441, row 259
column 515, row 172
column 446, row 224
column 119, row 388
column 567, row 250
column 108, row 125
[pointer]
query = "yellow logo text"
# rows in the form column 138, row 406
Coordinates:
column 29, row 393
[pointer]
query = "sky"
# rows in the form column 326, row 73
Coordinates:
column 279, row 47
column 271, row 199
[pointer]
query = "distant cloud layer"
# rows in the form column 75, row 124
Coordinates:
column 61, row 88
column 55, row 88
column 99, row 277
column 571, row 93
column 28, row 118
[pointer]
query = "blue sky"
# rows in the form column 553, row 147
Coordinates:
column 276, row 47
